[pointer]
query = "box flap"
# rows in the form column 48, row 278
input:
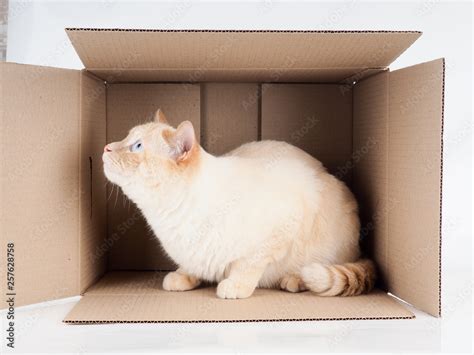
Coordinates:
column 40, row 191
column 204, row 55
column 415, row 147
column 135, row 297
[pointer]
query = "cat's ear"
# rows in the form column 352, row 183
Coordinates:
column 160, row 117
column 184, row 140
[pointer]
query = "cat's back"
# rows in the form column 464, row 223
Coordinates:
column 274, row 154
column 282, row 164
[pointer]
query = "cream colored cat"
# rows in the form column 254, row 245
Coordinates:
column 266, row 214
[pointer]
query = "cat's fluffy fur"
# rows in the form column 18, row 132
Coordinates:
column 266, row 214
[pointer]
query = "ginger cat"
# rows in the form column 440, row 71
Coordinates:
column 266, row 214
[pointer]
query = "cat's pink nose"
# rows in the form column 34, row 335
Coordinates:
column 107, row 148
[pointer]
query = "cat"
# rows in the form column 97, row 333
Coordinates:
column 266, row 214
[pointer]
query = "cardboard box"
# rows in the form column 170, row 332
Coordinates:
column 329, row 92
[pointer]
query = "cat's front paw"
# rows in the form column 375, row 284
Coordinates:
column 231, row 289
column 176, row 281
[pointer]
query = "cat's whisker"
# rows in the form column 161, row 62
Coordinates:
column 116, row 197
column 124, row 200
column 111, row 192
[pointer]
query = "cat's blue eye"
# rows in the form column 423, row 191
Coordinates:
column 136, row 147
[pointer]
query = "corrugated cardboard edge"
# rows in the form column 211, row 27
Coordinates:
column 75, row 322
column 441, row 191
column 233, row 30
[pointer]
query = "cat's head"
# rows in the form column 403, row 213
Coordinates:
column 152, row 154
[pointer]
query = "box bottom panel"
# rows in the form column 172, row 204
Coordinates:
column 137, row 297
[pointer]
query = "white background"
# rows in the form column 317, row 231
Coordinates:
column 36, row 36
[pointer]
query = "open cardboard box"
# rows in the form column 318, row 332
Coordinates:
column 329, row 92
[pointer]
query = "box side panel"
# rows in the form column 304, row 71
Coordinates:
column 229, row 116
column 139, row 297
column 316, row 118
column 40, row 180
column 370, row 166
column 93, row 249
column 131, row 242
column 415, row 172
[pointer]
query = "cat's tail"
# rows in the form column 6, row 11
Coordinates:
column 348, row 279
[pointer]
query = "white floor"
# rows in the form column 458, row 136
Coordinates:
column 36, row 36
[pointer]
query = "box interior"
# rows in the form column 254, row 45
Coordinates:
column 137, row 296
column 379, row 131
